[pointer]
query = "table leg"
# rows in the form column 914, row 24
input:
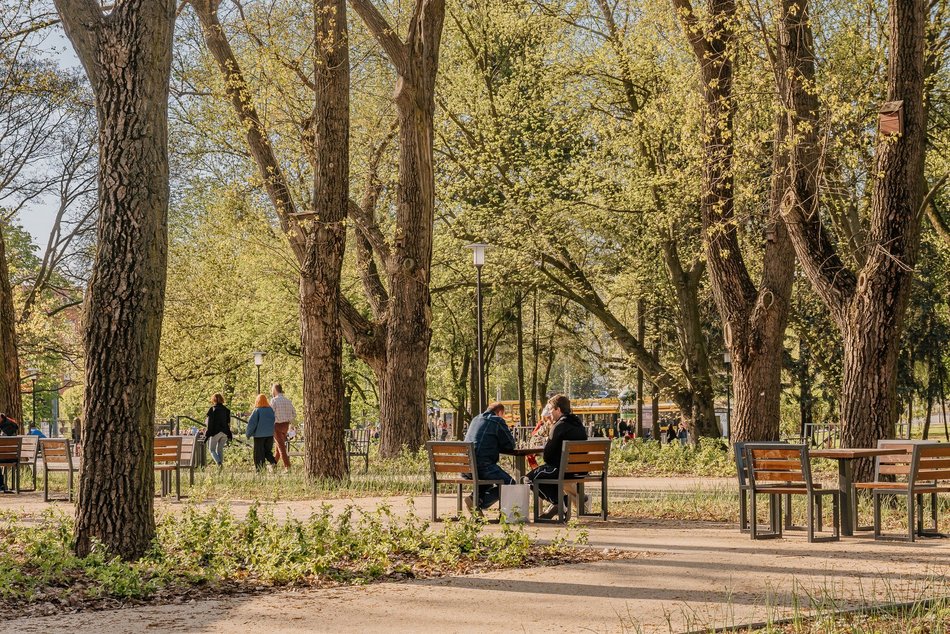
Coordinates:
column 519, row 468
column 849, row 510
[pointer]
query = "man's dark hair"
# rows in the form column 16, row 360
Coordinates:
column 495, row 407
column 278, row 388
column 561, row 402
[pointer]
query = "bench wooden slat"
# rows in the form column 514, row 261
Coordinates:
column 758, row 454
column 778, row 465
column 452, row 468
column 784, row 476
column 453, row 459
column 584, row 468
column 581, row 446
column 894, row 469
column 933, row 474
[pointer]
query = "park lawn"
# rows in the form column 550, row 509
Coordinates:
column 211, row 552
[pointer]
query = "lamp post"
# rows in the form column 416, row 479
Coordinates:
column 727, row 362
column 258, row 361
column 34, row 374
column 478, row 259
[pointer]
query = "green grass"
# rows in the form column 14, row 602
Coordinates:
column 213, row 551
column 722, row 505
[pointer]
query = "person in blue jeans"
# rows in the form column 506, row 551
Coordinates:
column 490, row 434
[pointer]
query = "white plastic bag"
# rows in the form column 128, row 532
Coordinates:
column 515, row 502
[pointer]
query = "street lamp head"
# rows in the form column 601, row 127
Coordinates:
column 259, row 358
column 478, row 252
column 33, row 372
column 726, row 357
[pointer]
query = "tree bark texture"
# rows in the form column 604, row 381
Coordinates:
column 320, row 334
column 10, row 400
column 127, row 56
column 409, row 329
column 754, row 315
column 868, row 306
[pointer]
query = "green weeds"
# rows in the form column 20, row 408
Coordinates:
column 216, row 551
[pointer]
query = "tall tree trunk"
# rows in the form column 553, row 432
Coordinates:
column 754, row 315
column 868, row 306
column 321, row 336
column 10, row 400
column 403, row 408
column 127, row 56
column 318, row 242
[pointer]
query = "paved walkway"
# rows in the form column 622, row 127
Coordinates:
column 685, row 576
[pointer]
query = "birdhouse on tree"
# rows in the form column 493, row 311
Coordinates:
column 892, row 118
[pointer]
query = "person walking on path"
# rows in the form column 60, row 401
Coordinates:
column 284, row 415
column 260, row 427
column 491, row 436
column 218, row 432
column 567, row 426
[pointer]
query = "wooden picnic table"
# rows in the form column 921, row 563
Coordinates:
column 520, row 454
column 844, row 456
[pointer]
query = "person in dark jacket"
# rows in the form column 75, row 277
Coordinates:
column 260, row 427
column 567, row 426
column 491, row 436
column 219, row 428
column 8, row 427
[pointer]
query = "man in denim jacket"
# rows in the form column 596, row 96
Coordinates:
column 491, row 436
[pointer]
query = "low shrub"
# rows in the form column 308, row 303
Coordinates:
column 217, row 552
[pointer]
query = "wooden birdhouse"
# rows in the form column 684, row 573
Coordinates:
column 892, row 118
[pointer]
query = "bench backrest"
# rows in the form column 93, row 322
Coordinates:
column 167, row 452
column 188, row 451
column 590, row 457
column 778, row 464
column 10, row 449
column 932, row 463
column 742, row 470
column 29, row 446
column 897, row 465
column 56, row 452
column 357, row 442
column 450, row 458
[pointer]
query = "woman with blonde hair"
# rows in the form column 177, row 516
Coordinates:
column 260, row 427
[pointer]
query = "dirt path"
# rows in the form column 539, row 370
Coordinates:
column 687, row 576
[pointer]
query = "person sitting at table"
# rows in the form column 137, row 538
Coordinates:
column 491, row 436
column 567, row 426
column 8, row 427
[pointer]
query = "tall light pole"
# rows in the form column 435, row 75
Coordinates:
column 478, row 258
column 34, row 374
column 259, row 361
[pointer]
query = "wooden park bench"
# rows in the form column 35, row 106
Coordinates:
column 778, row 469
column 923, row 469
column 582, row 461
column 449, row 463
column 10, row 460
column 189, row 456
column 29, row 453
column 357, row 444
column 166, row 454
column 58, row 457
